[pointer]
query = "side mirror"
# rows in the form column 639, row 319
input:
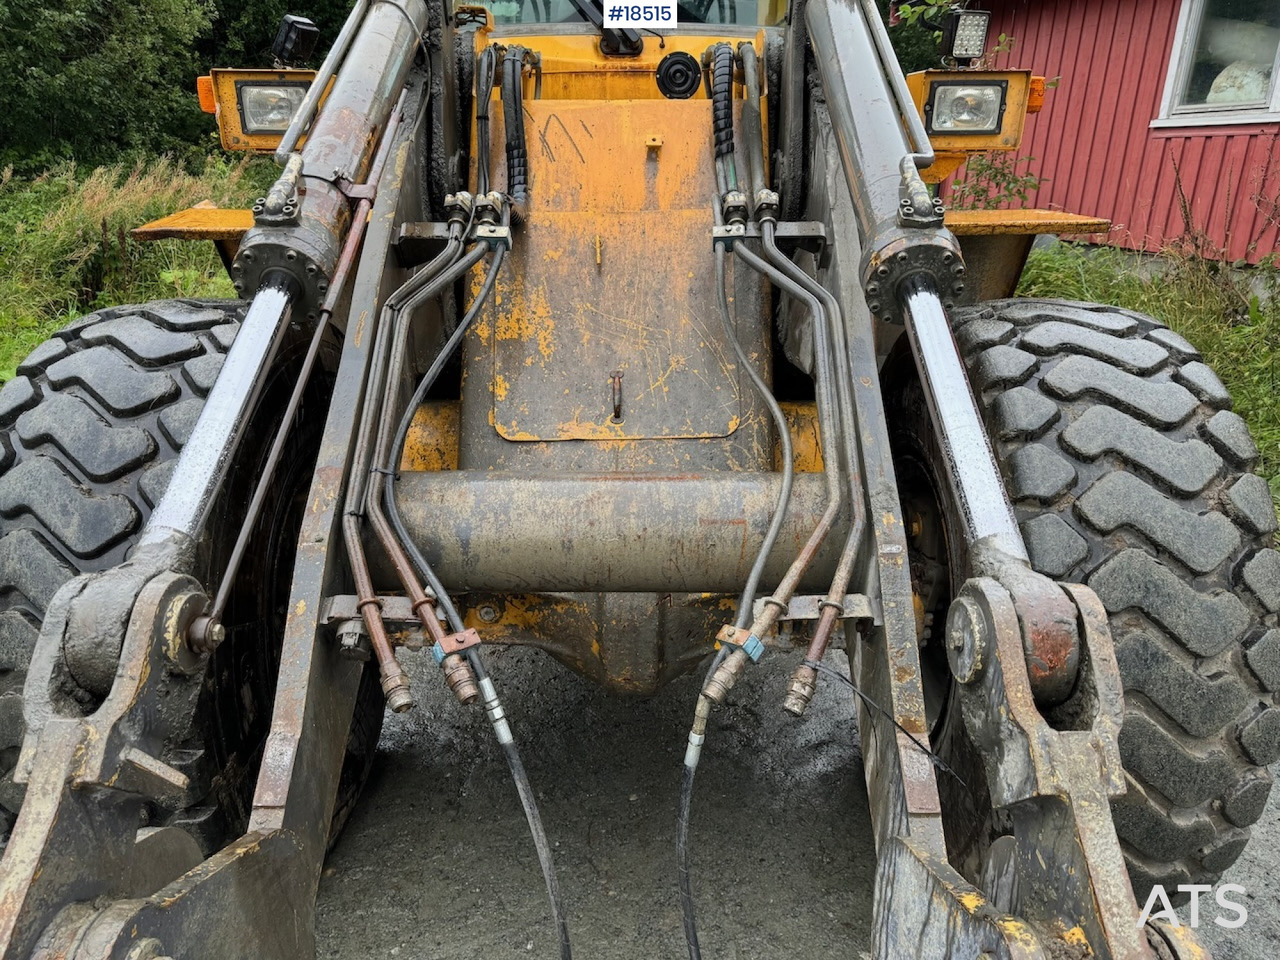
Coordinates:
column 295, row 41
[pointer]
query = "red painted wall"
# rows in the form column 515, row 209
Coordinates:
column 1093, row 140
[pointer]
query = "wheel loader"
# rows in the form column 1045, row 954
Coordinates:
column 651, row 344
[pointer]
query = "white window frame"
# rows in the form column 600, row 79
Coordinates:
column 1184, row 42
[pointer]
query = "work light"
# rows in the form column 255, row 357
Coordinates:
column 269, row 107
column 964, row 35
column 960, row 107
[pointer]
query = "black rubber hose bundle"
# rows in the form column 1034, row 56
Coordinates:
column 722, row 99
column 513, row 121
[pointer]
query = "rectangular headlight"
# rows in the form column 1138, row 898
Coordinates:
column 269, row 107
column 960, row 107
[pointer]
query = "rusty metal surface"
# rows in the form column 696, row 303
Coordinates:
column 995, row 263
column 1058, row 865
column 585, row 297
column 500, row 531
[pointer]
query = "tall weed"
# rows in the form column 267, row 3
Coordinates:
column 65, row 247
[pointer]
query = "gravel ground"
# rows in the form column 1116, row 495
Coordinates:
column 437, row 863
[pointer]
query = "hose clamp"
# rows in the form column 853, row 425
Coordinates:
column 744, row 640
column 454, row 643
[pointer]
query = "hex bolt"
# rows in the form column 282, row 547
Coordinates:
column 966, row 639
column 205, row 635
column 488, row 613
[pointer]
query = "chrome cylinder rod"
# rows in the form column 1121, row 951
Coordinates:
column 202, row 467
column 970, row 464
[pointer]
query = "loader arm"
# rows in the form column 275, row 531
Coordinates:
column 575, row 447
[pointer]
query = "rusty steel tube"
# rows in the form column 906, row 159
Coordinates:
column 395, row 684
column 829, row 429
column 517, row 533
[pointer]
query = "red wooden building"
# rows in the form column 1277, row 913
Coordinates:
column 1153, row 94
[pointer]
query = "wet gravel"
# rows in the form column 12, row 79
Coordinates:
column 437, row 862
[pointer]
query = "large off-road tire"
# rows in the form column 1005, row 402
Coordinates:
column 1129, row 473
column 90, row 430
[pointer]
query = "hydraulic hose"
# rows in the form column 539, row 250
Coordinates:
column 486, row 73
column 722, row 110
column 830, row 426
column 395, row 684
column 487, row 691
column 513, row 123
column 457, row 674
column 752, row 125
column 804, row 680
column 392, row 464
column 747, row 599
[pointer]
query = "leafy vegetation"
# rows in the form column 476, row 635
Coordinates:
column 65, row 247
column 99, row 81
column 1213, row 306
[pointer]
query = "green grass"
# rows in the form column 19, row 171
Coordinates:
column 1209, row 305
column 65, row 248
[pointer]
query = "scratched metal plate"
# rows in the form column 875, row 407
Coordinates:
column 613, row 273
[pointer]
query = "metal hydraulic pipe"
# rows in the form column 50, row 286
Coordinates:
column 202, row 467
column 395, row 683
column 830, row 428
column 302, row 119
column 457, row 672
column 345, row 263
column 973, row 475
column 803, row 681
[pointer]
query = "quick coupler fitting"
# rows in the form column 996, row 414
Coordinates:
column 460, row 678
column 800, row 691
column 395, row 687
column 457, row 669
column 725, row 676
column 459, row 206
